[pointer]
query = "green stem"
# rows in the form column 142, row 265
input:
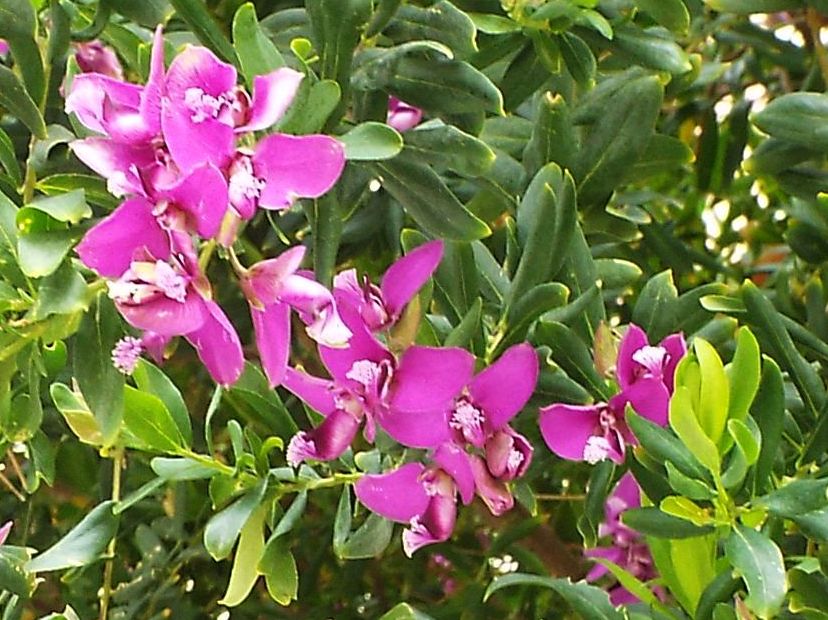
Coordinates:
column 117, row 466
column 206, row 254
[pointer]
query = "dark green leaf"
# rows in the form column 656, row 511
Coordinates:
column 371, row 141
column 257, row 54
column 82, row 545
column 224, row 527
column 588, row 601
column 198, row 17
column 446, row 146
column 62, row 292
column 571, row 354
column 651, row 521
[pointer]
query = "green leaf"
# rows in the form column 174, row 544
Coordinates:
column 441, row 22
column 404, row 611
column 796, row 497
column 684, row 422
column 801, row 118
column 468, row 327
column 753, row 6
column 671, row 14
column 342, row 521
column 224, row 527
column 176, row 469
column 651, row 521
column 693, row 564
column 768, row 409
column 553, row 137
column 546, row 221
column 652, row 47
column 8, row 158
column 588, row 601
column 152, row 379
column 426, row 198
column 18, row 26
column 62, row 292
column 685, row 485
column 714, row 393
column 337, row 25
column 256, row 52
column 147, row 418
column 663, row 154
column 19, row 104
column 663, row 446
column 762, row 314
column 744, row 439
column 249, row 553
column 683, row 508
column 369, row 540
column 82, row 545
column 616, row 273
column 100, row 382
column 77, row 414
column 631, row 583
column 13, row 574
column 598, row 488
column 371, row 141
column 68, row 207
column 759, row 562
column 618, row 138
column 279, row 568
column 42, row 242
column 198, row 18
column 572, row 355
column 579, row 59
column 522, row 314
column 446, row 146
column 94, row 187
column 655, row 309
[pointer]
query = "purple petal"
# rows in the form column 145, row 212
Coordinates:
column 434, row 526
column 403, row 116
column 361, row 346
column 202, row 195
column 95, row 57
column 676, row 348
column 317, row 393
column 166, row 316
column 625, row 368
column 398, row 495
column 116, row 162
column 648, row 396
column 407, row 276
column 508, row 454
column 108, row 247
column 624, row 496
column 267, row 277
column 456, row 463
column 193, row 136
column 517, row 368
column 296, row 167
column 150, row 107
column 89, row 93
column 613, row 554
column 326, row 442
column 272, row 95
column 423, row 429
column 218, row 346
column 566, row 428
column 495, row 494
column 4, row 531
column 428, row 378
column 272, row 330
column 155, row 345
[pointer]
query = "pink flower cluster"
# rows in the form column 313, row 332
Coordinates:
column 181, row 149
column 628, row 548
column 424, row 398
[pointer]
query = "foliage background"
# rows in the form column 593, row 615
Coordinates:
column 688, row 182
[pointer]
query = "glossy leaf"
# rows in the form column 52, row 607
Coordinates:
column 371, row 141
column 257, row 54
column 759, row 562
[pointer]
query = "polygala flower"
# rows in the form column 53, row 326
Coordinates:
column 274, row 287
column 403, row 116
column 597, row 432
column 382, row 306
column 408, row 396
column 627, row 549
column 4, row 531
column 95, row 57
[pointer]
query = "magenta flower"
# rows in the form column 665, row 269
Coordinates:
column 95, row 57
column 424, row 498
column 126, row 113
column 273, row 287
column 409, row 397
column 4, row 531
column 403, row 116
column 596, row 432
column 4, row 47
column 165, row 294
column 628, row 550
column 381, row 306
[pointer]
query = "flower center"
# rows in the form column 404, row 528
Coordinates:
column 514, row 461
column 145, row 281
column 244, row 185
column 299, row 449
column 651, row 359
column 204, row 106
column 469, row 420
column 173, row 285
column 596, row 450
column 374, row 380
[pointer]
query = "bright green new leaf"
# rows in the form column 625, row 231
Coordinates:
column 152, row 379
column 714, row 391
column 683, row 508
column 744, row 373
column 742, row 435
column 249, row 553
column 147, row 418
column 684, row 422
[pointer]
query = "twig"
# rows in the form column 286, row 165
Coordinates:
column 16, row 467
column 556, row 497
column 117, row 465
column 9, row 485
column 812, row 18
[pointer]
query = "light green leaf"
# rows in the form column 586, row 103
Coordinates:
column 714, row 394
column 147, row 418
column 249, row 553
column 684, row 422
column 224, row 527
column 152, row 379
column 759, row 562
